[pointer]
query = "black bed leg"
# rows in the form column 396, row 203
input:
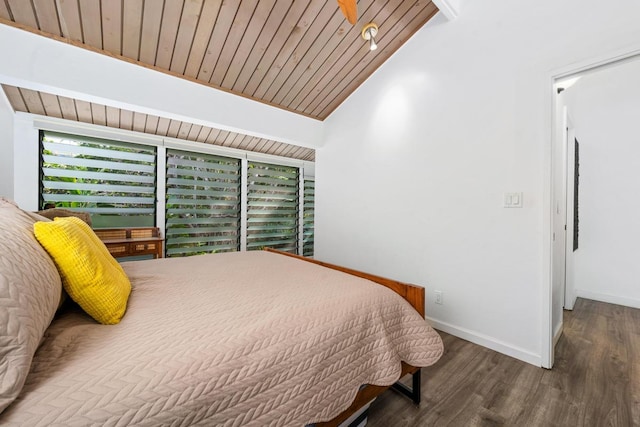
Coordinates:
column 412, row 393
column 415, row 387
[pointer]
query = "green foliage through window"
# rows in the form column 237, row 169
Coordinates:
column 308, row 216
column 114, row 182
column 203, row 203
column 272, row 207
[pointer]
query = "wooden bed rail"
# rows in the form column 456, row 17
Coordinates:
column 414, row 295
column 368, row 393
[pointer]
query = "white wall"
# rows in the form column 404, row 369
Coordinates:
column 26, row 158
column 6, row 147
column 605, row 107
column 411, row 178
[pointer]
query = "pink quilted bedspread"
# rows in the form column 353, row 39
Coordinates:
column 233, row 339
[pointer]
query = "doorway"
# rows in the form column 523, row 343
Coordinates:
column 562, row 292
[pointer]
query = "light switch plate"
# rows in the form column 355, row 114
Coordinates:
column 513, row 200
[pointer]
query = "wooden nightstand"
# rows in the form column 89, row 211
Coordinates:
column 135, row 241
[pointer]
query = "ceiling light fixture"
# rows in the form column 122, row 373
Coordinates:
column 368, row 33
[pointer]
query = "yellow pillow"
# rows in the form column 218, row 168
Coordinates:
column 100, row 246
column 90, row 278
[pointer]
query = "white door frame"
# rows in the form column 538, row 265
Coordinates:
column 614, row 57
column 566, row 124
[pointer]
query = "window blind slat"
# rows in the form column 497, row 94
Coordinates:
column 272, row 243
column 271, row 227
column 61, row 185
column 206, row 193
column 201, row 239
column 86, row 163
column 227, row 227
column 269, row 188
column 281, row 172
column 69, row 148
column 117, row 211
column 272, row 220
column 71, row 174
column 284, row 184
column 202, row 174
column 197, row 250
column 269, row 235
column 101, row 198
column 216, row 163
column 187, row 213
column 278, row 203
column 210, row 203
column 177, row 182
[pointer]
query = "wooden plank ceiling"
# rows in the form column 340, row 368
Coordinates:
column 46, row 104
column 299, row 55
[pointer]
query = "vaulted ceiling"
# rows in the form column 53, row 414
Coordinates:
column 299, row 55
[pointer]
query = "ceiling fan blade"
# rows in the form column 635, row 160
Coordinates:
column 349, row 10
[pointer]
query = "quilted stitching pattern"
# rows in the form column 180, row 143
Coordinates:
column 29, row 293
column 233, row 339
column 90, row 275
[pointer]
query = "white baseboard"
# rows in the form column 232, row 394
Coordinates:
column 611, row 299
column 557, row 334
column 570, row 302
column 489, row 342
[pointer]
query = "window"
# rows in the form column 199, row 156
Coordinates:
column 308, row 217
column 272, row 207
column 113, row 181
column 203, row 204
column 208, row 202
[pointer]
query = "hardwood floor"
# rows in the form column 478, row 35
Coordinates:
column 595, row 380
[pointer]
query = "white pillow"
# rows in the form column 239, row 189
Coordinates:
column 30, row 289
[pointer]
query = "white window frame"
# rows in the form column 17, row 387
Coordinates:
column 308, row 172
column 26, row 142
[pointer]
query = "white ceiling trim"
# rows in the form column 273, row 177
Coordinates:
column 450, row 8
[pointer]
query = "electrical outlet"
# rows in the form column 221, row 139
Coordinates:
column 438, row 297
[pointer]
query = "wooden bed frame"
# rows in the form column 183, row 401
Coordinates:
column 414, row 295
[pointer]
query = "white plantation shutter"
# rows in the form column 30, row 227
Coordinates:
column 308, row 216
column 113, row 181
column 203, row 203
column 272, row 207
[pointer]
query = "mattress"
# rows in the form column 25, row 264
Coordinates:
column 248, row 338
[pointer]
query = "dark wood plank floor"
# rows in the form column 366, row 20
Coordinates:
column 595, row 380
